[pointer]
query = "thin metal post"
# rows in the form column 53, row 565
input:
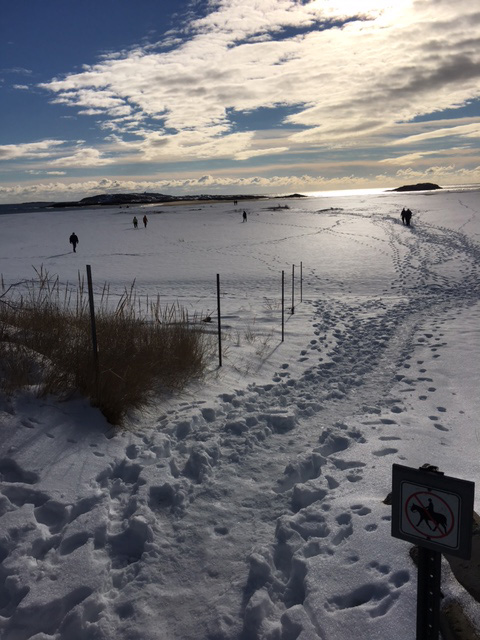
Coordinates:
column 428, row 596
column 219, row 323
column 93, row 324
column 293, row 289
column 283, row 306
column 301, row 281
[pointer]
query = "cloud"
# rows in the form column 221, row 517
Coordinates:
column 17, row 70
column 34, row 172
column 251, row 153
column 463, row 131
column 84, row 157
column 28, row 150
column 75, row 190
column 346, row 74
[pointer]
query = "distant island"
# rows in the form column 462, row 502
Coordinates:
column 117, row 199
column 104, row 200
column 422, row 186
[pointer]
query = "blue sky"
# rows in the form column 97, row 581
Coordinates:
column 236, row 96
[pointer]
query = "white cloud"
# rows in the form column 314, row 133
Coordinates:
column 74, row 190
column 251, row 153
column 83, row 157
column 360, row 84
column 401, row 59
column 463, row 131
column 28, row 150
column 34, row 172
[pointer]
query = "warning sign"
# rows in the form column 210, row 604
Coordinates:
column 432, row 510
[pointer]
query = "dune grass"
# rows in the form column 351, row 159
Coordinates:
column 143, row 350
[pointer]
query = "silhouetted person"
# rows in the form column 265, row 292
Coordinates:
column 408, row 217
column 244, row 216
column 145, row 220
column 74, row 241
column 403, row 215
column 135, row 222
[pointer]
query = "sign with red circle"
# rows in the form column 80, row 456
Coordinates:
column 432, row 510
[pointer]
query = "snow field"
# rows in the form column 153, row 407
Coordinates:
column 252, row 506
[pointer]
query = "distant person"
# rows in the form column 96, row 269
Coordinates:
column 403, row 215
column 135, row 222
column 244, row 216
column 74, row 241
column 408, row 217
column 145, row 220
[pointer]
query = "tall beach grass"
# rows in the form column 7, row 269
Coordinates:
column 143, row 349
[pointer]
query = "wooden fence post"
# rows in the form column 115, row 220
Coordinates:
column 301, row 281
column 293, row 289
column 93, row 325
column 219, row 323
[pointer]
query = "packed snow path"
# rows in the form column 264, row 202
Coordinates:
column 257, row 515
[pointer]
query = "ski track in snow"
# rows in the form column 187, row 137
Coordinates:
column 281, row 463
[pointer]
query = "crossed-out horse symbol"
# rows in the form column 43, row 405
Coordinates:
column 429, row 516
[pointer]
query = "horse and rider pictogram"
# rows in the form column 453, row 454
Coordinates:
column 432, row 521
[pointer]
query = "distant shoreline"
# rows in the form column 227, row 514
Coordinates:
column 39, row 206
column 130, row 201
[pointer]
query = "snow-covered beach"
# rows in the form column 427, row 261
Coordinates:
column 251, row 506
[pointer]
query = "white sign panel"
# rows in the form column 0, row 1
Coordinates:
column 432, row 510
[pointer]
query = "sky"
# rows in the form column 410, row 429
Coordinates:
column 236, row 96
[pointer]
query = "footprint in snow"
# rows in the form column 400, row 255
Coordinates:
column 11, row 471
column 377, row 598
column 385, row 452
column 360, row 510
column 221, row 530
column 383, row 569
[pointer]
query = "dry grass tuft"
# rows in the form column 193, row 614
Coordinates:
column 45, row 340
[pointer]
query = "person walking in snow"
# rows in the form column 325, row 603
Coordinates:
column 135, row 222
column 244, row 216
column 74, row 241
column 408, row 217
column 403, row 215
column 145, row 220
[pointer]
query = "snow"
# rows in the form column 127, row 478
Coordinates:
column 251, row 506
